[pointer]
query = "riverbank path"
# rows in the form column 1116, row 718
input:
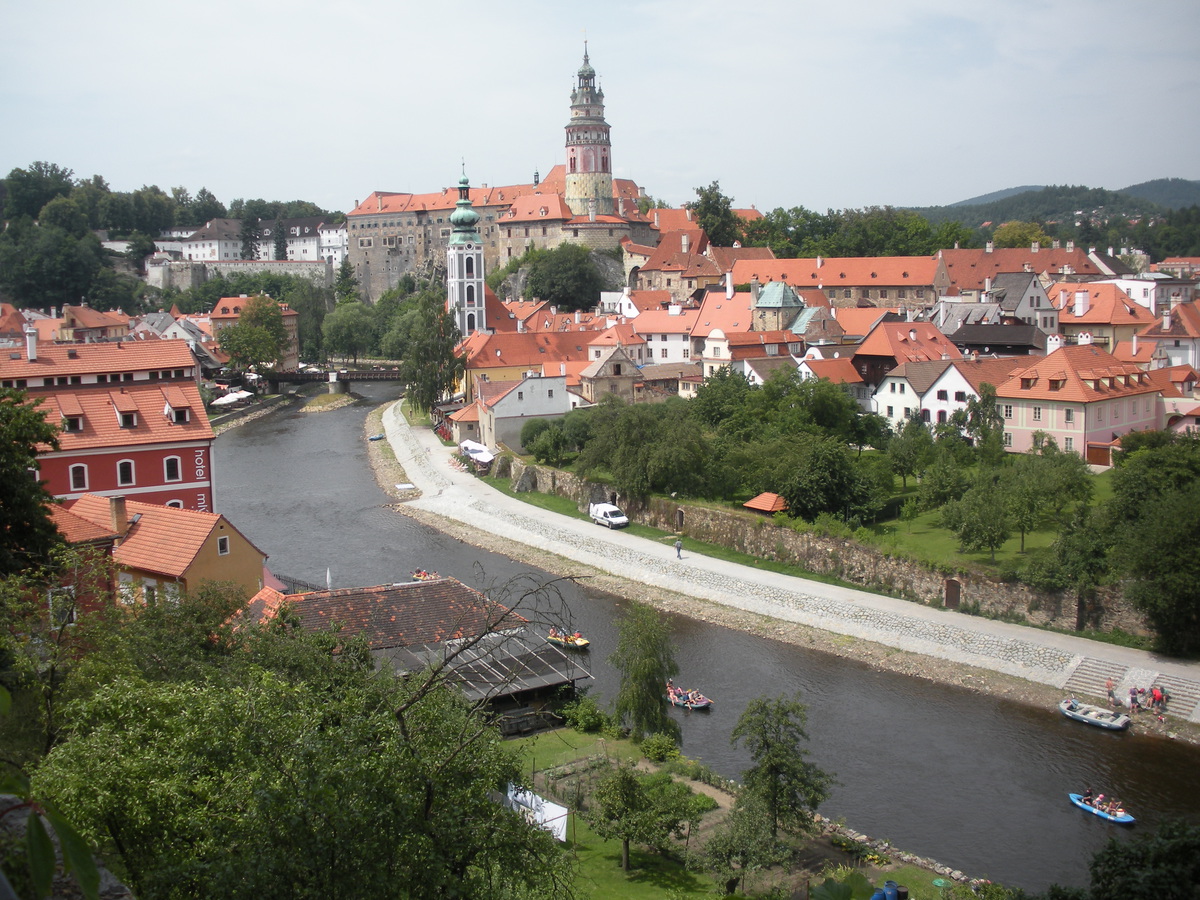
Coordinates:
column 1072, row 664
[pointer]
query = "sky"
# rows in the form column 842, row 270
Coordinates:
column 785, row 103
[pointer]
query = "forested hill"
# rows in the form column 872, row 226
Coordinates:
column 1052, row 205
column 1173, row 193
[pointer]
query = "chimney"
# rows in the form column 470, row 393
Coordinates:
column 987, row 284
column 1085, row 337
column 592, row 209
column 1081, row 303
column 684, row 243
column 728, row 285
column 578, row 316
column 1135, row 344
column 1110, row 251
column 912, row 334
column 755, row 287
column 562, row 368
column 820, row 262
column 1070, row 246
column 988, row 247
column 1035, row 247
column 1053, row 342
column 1166, row 321
column 31, row 343
column 118, row 517
column 656, row 218
column 379, row 201
column 687, row 211
column 520, row 326
column 554, row 310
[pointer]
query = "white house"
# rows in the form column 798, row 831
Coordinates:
column 505, row 406
column 667, row 333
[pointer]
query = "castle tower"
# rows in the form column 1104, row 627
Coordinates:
column 464, row 266
column 589, row 152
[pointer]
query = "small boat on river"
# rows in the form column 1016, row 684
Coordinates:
column 1119, row 816
column 574, row 641
column 422, row 575
column 1093, row 715
column 687, row 699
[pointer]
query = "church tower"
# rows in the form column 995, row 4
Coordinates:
column 589, row 152
column 464, row 266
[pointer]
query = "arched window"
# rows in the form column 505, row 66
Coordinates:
column 125, row 472
column 603, row 163
column 79, row 478
column 470, row 323
column 178, row 504
column 470, row 267
column 171, row 469
column 470, row 295
column 573, row 163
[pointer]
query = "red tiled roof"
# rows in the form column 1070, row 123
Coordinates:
column 859, row 320
column 968, row 270
column 719, row 311
column 55, row 360
column 1107, row 304
column 767, row 502
column 884, row 271
column 537, row 206
column 994, row 371
column 1081, row 373
column 164, row 539
column 1172, row 380
column 907, row 342
column 1184, row 323
column 527, row 349
column 77, row 530
column 419, row 613
column 623, row 335
column 660, row 321
column 840, row 370
column 101, row 425
column 650, row 300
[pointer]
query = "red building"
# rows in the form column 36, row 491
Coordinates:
column 131, row 419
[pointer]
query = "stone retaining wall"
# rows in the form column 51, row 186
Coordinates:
column 869, row 567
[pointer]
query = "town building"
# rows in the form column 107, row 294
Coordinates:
column 228, row 311
column 1177, row 335
column 1083, row 397
column 465, row 268
column 1100, row 310
column 131, row 417
column 163, row 552
column 579, row 201
column 884, row 281
column 892, row 343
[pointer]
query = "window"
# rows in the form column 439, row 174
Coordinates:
column 73, row 424
column 616, row 368
column 686, row 352
column 1069, row 444
column 943, row 395
column 128, row 420
column 890, row 412
column 883, row 293
column 1037, row 414
column 1008, row 411
column 663, row 353
column 941, row 416
column 597, row 352
column 550, row 394
column 1007, row 439
column 846, row 294
column 180, row 416
column 892, row 386
column 223, row 545
column 171, row 469
column 1099, row 415
column 520, row 395
column 1069, row 416
column 79, row 478
column 177, row 504
column 902, row 387
column 364, row 243
column 125, row 472
column 960, row 396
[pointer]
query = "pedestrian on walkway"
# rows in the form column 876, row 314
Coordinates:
column 1112, row 696
column 679, row 548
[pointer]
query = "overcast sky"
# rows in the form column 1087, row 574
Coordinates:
column 832, row 104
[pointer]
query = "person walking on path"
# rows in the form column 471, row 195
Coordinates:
column 679, row 548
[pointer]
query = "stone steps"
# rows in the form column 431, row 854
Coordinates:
column 1091, row 675
column 1185, row 695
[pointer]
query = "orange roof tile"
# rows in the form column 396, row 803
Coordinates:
column 662, row 321
column 907, row 342
column 77, row 530
column 767, row 502
column 1106, row 304
column 839, row 370
column 164, row 539
column 98, row 407
column 859, row 320
column 994, row 371
column 54, row 360
column 883, row 271
column 719, row 311
column 969, row 270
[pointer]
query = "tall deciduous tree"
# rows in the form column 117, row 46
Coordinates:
column 714, row 212
column 645, row 661
column 431, row 368
column 985, row 425
column 910, row 449
column 789, row 786
column 27, row 533
column 349, row 330
column 29, row 190
column 566, row 277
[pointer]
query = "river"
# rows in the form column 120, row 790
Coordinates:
column 975, row 782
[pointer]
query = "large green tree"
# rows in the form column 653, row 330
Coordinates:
column 249, row 236
column 646, row 661
column 714, row 211
column 431, row 368
column 43, row 265
column 646, row 809
column 28, row 190
column 27, row 533
column 566, row 277
column 349, row 330
column 782, row 778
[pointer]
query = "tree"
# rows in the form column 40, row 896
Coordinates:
column 646, row 809
column 249, row 236
column 348, row 330
column 1020, row 234
column 531, row 429
column 1163, row 865
column 782, row 779
column 826, row 480
column 566, row 277
column 980, row 519
column 249, row 346
column 714, row 212
column 27, row 533
column 431, row 368
column 910, row 449
column 44, row 266
column 743, row 844
column 280, row 246
column 646, row 663
column 345, row 287
column 29, row 190
column 64, row 213
column 985, row 425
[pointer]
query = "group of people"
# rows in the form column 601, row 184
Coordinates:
column 675, row 693
column 1112, row 807
column 1155, row 700
column 564, row 635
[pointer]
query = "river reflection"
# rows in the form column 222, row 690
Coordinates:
column 975, row 782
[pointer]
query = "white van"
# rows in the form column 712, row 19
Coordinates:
column 607, row 514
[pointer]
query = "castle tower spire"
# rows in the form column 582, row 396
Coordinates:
column 464, row 265
column 589, row 150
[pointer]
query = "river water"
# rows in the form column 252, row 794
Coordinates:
column 975, row 782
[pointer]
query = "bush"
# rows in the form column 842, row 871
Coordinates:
column 584, row 715
column 660, row 748
column 530, row 431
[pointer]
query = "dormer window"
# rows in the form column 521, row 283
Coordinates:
column 72, row 424
column 128, row 419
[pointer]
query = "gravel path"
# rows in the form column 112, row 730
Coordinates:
column 1026, row 664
